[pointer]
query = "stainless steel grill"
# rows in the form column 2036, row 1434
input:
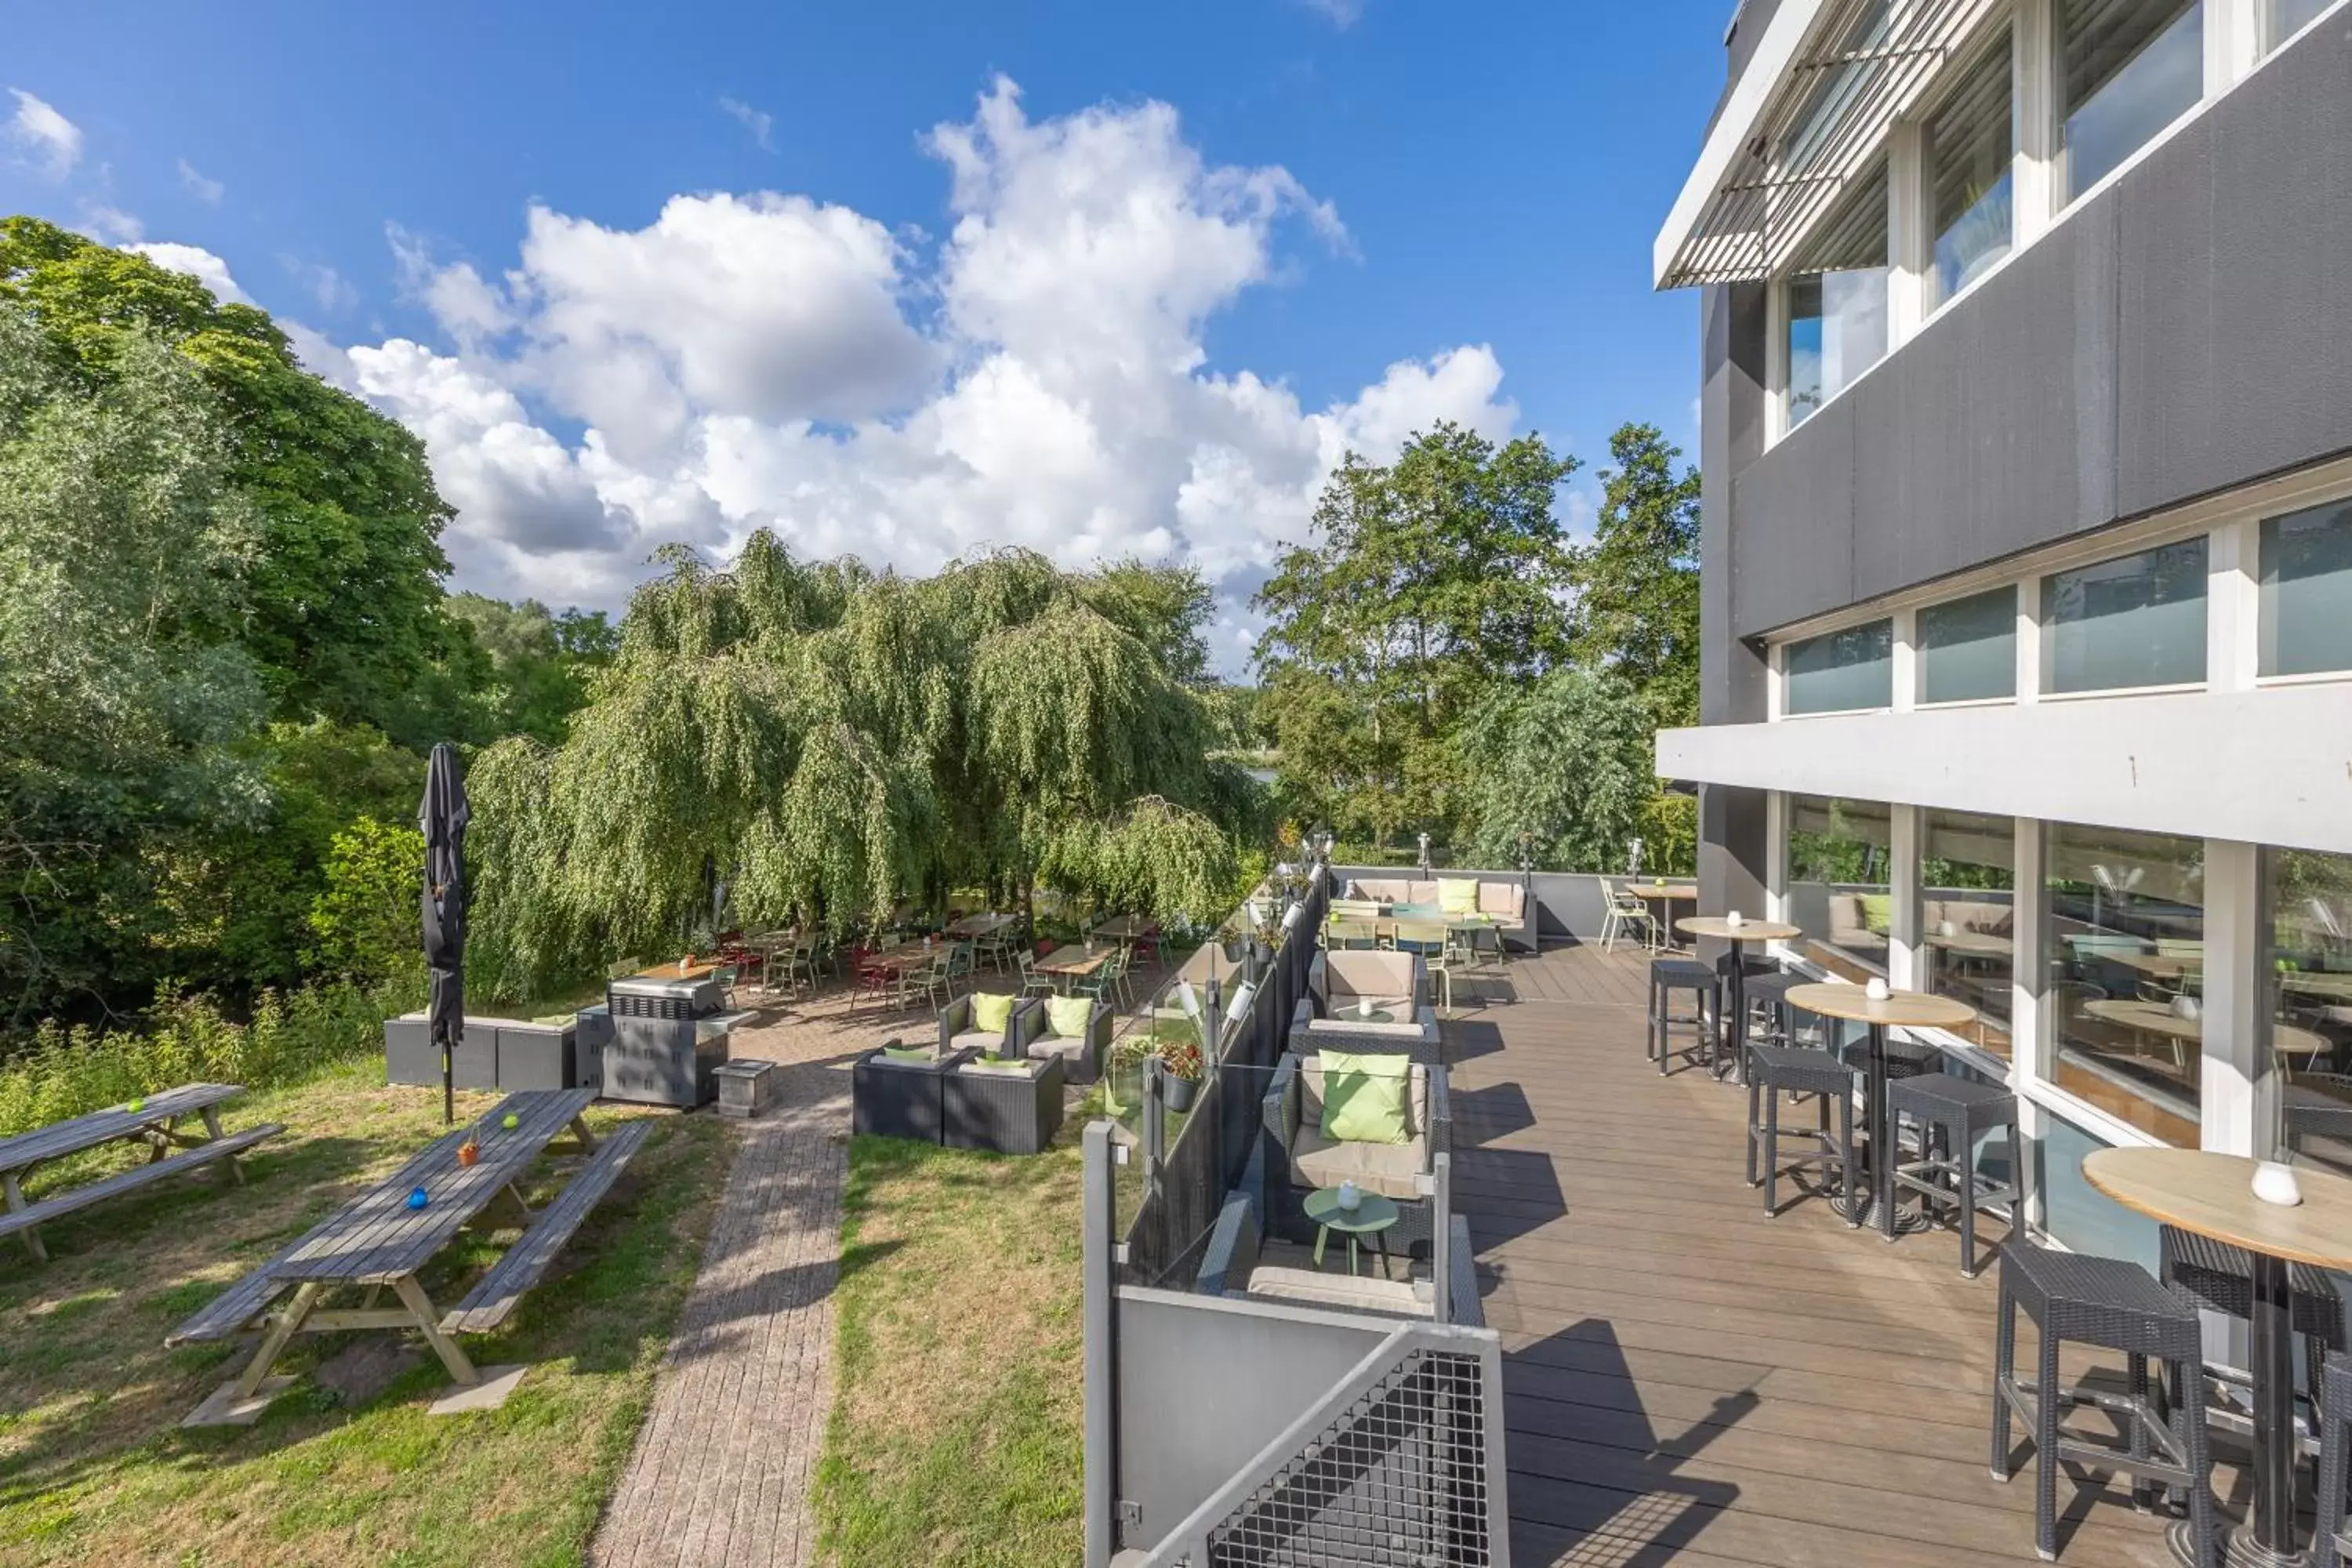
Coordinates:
column 669, row 1039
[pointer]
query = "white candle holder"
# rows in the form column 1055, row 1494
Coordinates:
column 1876, row 989
column 2275, row 1184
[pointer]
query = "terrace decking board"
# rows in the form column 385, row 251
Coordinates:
column 1687, row 1382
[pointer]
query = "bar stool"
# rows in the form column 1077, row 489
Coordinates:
column 2220, row 1277
column 2115, row 1306
column 1768, row 1007
column 1668, row 975
column 1951, row 1114
column 2331, row 1545
column 1774, row 1070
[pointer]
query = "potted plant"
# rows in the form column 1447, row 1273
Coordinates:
column 1181, row 1070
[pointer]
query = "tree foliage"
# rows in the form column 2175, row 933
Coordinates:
column 825, row 739
column 1426, row 581
column 1566, row 758
column 1637, row 582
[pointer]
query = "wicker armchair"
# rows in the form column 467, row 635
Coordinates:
column 1293, row 1115
column 957, row 1033
column 1339, row 983
column 898, row 1097
column 1008, row 1108
column 1081, row 1055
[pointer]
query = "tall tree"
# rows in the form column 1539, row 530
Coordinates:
column 343, row 597
column 1637, row 582
column 1426, row 581
column 1566, row 759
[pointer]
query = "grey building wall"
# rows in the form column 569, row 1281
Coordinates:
column 2187, row 333
column 1732, row 669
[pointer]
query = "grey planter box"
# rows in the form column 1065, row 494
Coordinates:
column 410, row 1056
column 538, row 1056
column 593, row 1033
column 747, row 1088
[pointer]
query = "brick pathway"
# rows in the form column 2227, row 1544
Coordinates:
column 721, row 1471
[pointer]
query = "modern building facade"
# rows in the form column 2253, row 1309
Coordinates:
column 2026, row 439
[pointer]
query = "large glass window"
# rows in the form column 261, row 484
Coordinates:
column 1837, row 302
column 1967, row 914
column 2289, row 17
column 1840, row 671
column 1968, row 648
column 2138, row 620
column 1967, row 144
column 1838, row 879
column 2311, row 1001
column 2126, row 962
column 2306, row 609
column 2131, row 67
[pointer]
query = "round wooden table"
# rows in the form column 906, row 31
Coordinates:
column 2213, row 1195
column 1733, row 1024
column 1666, row 895
column 1904, row 1009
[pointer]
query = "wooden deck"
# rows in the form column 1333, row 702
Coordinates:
column 1689, row 1381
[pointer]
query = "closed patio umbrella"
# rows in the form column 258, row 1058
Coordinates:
column 442, row 817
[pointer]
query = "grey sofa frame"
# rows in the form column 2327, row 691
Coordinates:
column 894, row 1098
column 1285, row 1202
column 955, row 1018
column 1003, row 1112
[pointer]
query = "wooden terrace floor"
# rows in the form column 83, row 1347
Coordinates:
column 1689, row 1381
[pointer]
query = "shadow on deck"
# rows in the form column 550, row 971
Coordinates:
column 1687, row 1381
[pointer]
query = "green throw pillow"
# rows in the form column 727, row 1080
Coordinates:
column 1068, row 1017
column 991, row 1013
column 1364, row 1097
column 907, row 1053
column 1878, row 912
column 1457, row 896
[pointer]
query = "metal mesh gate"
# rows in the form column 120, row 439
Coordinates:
column 1397, row 1479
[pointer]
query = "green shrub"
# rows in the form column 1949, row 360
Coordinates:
column 71, row 1072
column 364, row 924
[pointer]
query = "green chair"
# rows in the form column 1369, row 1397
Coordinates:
column 1433, row 942
column 1033, row 983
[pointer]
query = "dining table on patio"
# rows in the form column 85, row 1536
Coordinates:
column 1900, row 1009
column 972, row 927
column 1127, row 928
column 1067, row 965
column 1665, row 895
column 2211, row 1194
column 1733, row 1024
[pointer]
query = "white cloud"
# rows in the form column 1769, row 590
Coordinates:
column 332, row 291
column 112, row 226
column 46, row 137
column 202, row 265
column 207, row 191
column 759, row 122
column 769, row 360
column 1342, row 14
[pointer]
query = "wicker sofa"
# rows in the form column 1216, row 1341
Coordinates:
column 1230, row 1265
column 899, row 1097
column 1508, row 902
column 1008, row 1108
column 1339, row 984
column 1406, row 1173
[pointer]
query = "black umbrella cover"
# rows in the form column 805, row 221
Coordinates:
column 442, row 818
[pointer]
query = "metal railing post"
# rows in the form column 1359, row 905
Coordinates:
column 1100, row 1254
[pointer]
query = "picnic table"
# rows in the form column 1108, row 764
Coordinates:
column 1126, row 928
column 155, row 1122
column 378, row 1242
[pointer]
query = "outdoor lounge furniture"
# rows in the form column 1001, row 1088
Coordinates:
column 154, row 1122
column 1952, row 1113
column 1668, row 975
column 1007, row 1108
column 1293, row 1117
column 1779, row 1072
column 1081, row 1054
column 2215, row 1277
column 1342, row 984
column 1623, row 914
column 1231, row 1265
column 899, row 1096
column 2332, row 1545
column 1504, row 901
column 957, row 1033
column 383, row 1239
column 2117, row 1305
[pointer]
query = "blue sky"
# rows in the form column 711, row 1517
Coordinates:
column 1069, row 318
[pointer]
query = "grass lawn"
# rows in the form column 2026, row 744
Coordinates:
column 956, row 1434
column 93, row 1467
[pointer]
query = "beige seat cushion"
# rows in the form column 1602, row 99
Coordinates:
column 1383, row 979
column 978, row 1040
column 1506, row 899
column 1392, row 1170
column 1360, row 1293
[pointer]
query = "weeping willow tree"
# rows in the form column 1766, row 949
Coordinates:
column 826, row 739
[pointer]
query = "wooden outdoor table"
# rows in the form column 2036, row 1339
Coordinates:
column 1668, row 894
column 2158, row 1018
column 701, row 970
column 1733, row 1024
column 2328, row 986
column 980, row 925
column 1126, row 928
column 1904, row 1009
column 156, row 1123
column 1069, row 964
column 377, row 1241
column 2213, row 1195
column 2161, row 966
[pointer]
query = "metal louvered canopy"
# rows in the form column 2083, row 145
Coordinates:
column 1864, row 64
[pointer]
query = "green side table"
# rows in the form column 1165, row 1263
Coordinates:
column 1372, row 1217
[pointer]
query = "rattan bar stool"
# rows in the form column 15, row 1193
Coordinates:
column 1668, row 975
column 1767, row 1006
column 2331, row 1544
column 1775, row 1070
column 1951, row 1113
column 2120, row 1307
column 2220, row 1277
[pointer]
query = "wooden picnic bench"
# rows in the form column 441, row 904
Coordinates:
column 377, row 1242
column 155, row 1122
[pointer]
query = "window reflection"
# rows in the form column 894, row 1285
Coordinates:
column 1837, row 302
column 2126, row 958
column 1968, row 146
column 2310, row 1011
column 1967, row 915
column 2131, row 67
column 1839, row 881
